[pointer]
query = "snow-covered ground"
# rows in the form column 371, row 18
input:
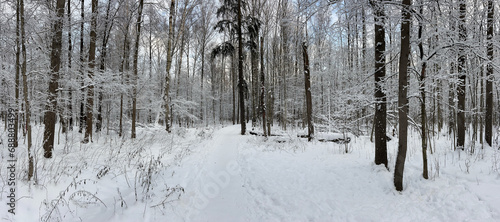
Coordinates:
column 209, row 174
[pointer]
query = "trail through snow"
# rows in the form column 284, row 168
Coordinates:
column 230, row 177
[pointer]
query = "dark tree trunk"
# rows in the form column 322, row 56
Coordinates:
column 82, row 71
column 307, row 80
column 402, row 96
column 90, row 90
column 49, row 119
column 31, row 167
column 488, row 131
column 262, row 87
column 70, row 55
column 380, row 97
column 135, row 76
column 242, row 85
column 423, row 113
column 462, row 34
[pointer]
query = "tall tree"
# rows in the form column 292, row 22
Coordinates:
column 18, row 69
column 423, row 114
column 380, row 97
column 262, row 87
column 461, row 69
column 170, row 40
column 25, row 91
column 49, row 119
column 488, row 131
column 307, row 81
column 90, row 90
column 402, row 95
column 135, row 76
column 242, row 85
column 82, row 69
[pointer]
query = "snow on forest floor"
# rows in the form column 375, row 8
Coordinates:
column 209, row 174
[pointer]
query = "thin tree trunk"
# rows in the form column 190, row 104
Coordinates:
column 25, row 93
column 104, row 47
column 262, row 87
column 423, row 113
column 82, row 72
column 49, row 119
column 462, row 34
column 70, row 55
column 18, row 67
column 135, row 76
column 488, row 131
column 402, row 96
column 242, row 85
column 90, row 90
column 169, row 64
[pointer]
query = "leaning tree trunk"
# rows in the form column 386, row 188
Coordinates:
column 90, row 91
column 49, row 119
column 488, row 131
column 402, row 96
column 380, row 117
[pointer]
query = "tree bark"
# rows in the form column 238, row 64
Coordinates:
column 307, row 80
column 82, row 70
column 242, row 85
column 135, row 76
column 380, row 117
column 462, row 35
column 49, row 119
column 169, row 65
column 262, row 87
column 90, row 90
column 423, row 120
column 488, row 131
column 25, row 93
column 402, row 95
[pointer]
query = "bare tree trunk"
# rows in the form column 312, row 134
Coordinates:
column 262, row 87
column 169, row 64
column 242, row 85
column 488, row 131
column 402, row 96
column 70, row 55
column 462, row 34
column 49, row 119
column 25, row 92
column 18, row 67
column 380, row 97
column 135, row 76
column 423, row 113
column 82, row 100
column 104, row 47
column 307, row 80
column 90, row 90
column 123, row 68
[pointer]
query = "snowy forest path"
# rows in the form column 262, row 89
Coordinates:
column 217, row 184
